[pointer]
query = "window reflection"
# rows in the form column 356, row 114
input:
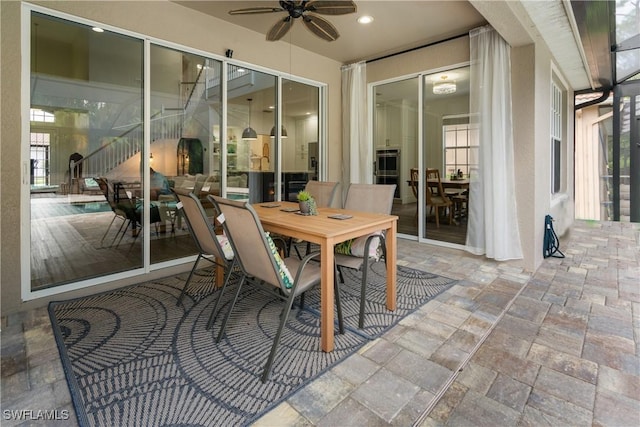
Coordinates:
column 90, row 216
column 86, row 122
column 249, row 150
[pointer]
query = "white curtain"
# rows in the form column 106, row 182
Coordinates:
column 493, row 221
column 357, row 155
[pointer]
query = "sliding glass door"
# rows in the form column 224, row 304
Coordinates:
column 251, row 108
column 424, row 143
column 299, row 136
column 395, row 140
column 108, row 143
column 185, row 117
column 85, row 122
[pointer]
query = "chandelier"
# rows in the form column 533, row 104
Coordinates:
column 444, row 87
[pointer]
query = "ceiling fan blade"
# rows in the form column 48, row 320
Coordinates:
column 328, row 7
column 254, row 10
column 279, row 29
column 321, row 27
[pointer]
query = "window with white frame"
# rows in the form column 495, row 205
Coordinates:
column 557, row 119
column 39, row 154
column 460, row 148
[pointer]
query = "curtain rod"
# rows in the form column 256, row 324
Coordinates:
column 418, row 47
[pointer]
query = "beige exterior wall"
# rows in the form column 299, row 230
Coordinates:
column 524, row 126
column 531, row 76
column 417, row 61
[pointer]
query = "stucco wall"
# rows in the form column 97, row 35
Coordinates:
column 163, row 20
column 528, row 174
column 430, row 58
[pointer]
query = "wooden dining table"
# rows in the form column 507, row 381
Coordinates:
column 462, row 184
column 326, row 232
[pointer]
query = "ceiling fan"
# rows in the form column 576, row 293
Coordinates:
column 307, row 10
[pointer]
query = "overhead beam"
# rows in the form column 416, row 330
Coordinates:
column 595, row 21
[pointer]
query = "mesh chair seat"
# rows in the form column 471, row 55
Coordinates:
column 367, row 198
column 261, row 267
column 205, row 239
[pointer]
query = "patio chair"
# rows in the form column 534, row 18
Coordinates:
column 207, row 241
column 119, row 212
column 366, row 198
column 324, row 193
column 261, row 266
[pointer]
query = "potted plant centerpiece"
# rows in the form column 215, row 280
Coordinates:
column 307, row 203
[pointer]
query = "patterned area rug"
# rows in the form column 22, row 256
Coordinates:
column 132, row 357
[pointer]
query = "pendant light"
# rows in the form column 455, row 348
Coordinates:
column 249, row 133
column 283, row 132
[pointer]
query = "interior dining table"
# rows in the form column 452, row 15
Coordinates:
column 459, row 183
column 326, row 232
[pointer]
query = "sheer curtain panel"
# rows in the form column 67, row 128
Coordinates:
column 357, row 155
column 493, row 220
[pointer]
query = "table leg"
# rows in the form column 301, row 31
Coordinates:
column 392, row 251
column 219, row 275
column 326, row 297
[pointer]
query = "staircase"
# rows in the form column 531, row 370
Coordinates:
column 129, row 143
column 166, row 124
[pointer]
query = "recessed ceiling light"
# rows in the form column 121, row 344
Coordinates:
column 365, row 19
column 98, row 30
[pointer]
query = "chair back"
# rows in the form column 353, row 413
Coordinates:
column 374, row 198
column 434, row 186
column 201, row 229
column 102, row 183
column 414, row 176
column 323, row 192
column 246, row 235
column 200, row 179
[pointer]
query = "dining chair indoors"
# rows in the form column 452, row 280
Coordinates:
column 371, row 198
column 414, row 176
column 262, row 267
column 208, row 243
column 436, row 197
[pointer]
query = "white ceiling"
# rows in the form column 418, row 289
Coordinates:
column 400, row 25
column 397, row 25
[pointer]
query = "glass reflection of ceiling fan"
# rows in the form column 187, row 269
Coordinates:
column 307, row 10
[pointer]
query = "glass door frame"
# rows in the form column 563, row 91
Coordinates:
column 371, row 93
column 27, row 10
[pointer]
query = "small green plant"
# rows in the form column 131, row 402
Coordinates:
column 304, row 196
